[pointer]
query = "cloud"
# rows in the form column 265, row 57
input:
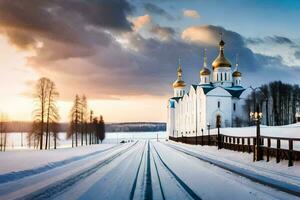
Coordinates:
column 91, row 47
column 162, row 33
column 191, row 13
column 276, row 46
column 297, row 54
column 140, row 21
column 29, row 21
column 200, row 34
column 151, row 8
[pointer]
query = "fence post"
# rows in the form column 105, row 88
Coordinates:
column 268, row 149
column 290, row 152
column 243, row 143
column 249, row 150
column 254, row 142
column 233, row 143
column 278, row 151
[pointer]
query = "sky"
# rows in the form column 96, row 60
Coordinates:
column 123, row 55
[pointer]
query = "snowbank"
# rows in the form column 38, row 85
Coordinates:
column 288, row 131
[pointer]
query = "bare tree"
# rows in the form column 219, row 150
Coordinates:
column 91, row 126
column 83, row 117
column 52, row 111
column 39, row 113
column 101, row 125
column 45, row 111
column 75, row 117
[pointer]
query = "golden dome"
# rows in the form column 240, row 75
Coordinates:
column 221, row 61
column 236, row 74
column 204, row 72
column 179, row 84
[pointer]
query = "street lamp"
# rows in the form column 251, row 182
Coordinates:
column 219, row 138
column 256, row 117
column 208, row 132
column 196, row 138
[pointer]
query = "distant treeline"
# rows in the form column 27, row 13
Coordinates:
column 109, row 127
column 279, row 102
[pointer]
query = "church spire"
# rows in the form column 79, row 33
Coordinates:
column 236, row 72
column 236, row 62
column 205, row 72
column 221, row 60
column 179, row 83
column 179, row 70
column 205, row 59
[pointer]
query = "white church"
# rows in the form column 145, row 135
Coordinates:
column 217, row 99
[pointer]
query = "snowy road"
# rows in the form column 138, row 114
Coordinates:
column 141, row 170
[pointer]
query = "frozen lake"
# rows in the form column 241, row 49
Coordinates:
column 19, row 140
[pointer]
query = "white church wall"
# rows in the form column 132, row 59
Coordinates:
column 225, row 110
column 219, row 102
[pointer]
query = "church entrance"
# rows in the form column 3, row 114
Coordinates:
column 218, row 121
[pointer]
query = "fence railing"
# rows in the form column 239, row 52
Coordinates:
column 278, row 147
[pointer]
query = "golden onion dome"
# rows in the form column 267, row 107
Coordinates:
column 204, row 72
column 221, row 60
column 236, row 74
column 179, row 84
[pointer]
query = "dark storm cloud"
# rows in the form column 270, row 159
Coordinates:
column 27, row 21
column 274, row 39
column 297, row 54
column 151, row 8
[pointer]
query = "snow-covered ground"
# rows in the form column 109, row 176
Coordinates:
column 145, row 169
column 18, row 141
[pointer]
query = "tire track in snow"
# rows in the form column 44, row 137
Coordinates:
column 148, row 191
column 158, row 177
column 251, row 175
column 180, row 181
column 51, row 191
column 136, row 176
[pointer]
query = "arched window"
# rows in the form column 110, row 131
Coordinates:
column 219, row 104
column 225, row 76
column 217, row 77
column 221, row 76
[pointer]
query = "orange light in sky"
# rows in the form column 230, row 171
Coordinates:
column 15, row 74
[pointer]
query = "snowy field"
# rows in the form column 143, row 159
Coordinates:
column 18, row 141
column 144, row 169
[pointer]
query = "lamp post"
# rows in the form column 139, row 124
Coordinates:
column 256, row 117
column 208, row 132
column 202, row 137
column 196, row 138
column 219, row 138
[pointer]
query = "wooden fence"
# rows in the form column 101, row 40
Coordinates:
column 270, row 146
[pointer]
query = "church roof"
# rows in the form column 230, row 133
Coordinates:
column 176, row 98
column 235, row 91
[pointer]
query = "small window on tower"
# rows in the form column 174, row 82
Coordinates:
column 225, row 76
column 221, row 76
column 234, row 107
column 219, row 104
